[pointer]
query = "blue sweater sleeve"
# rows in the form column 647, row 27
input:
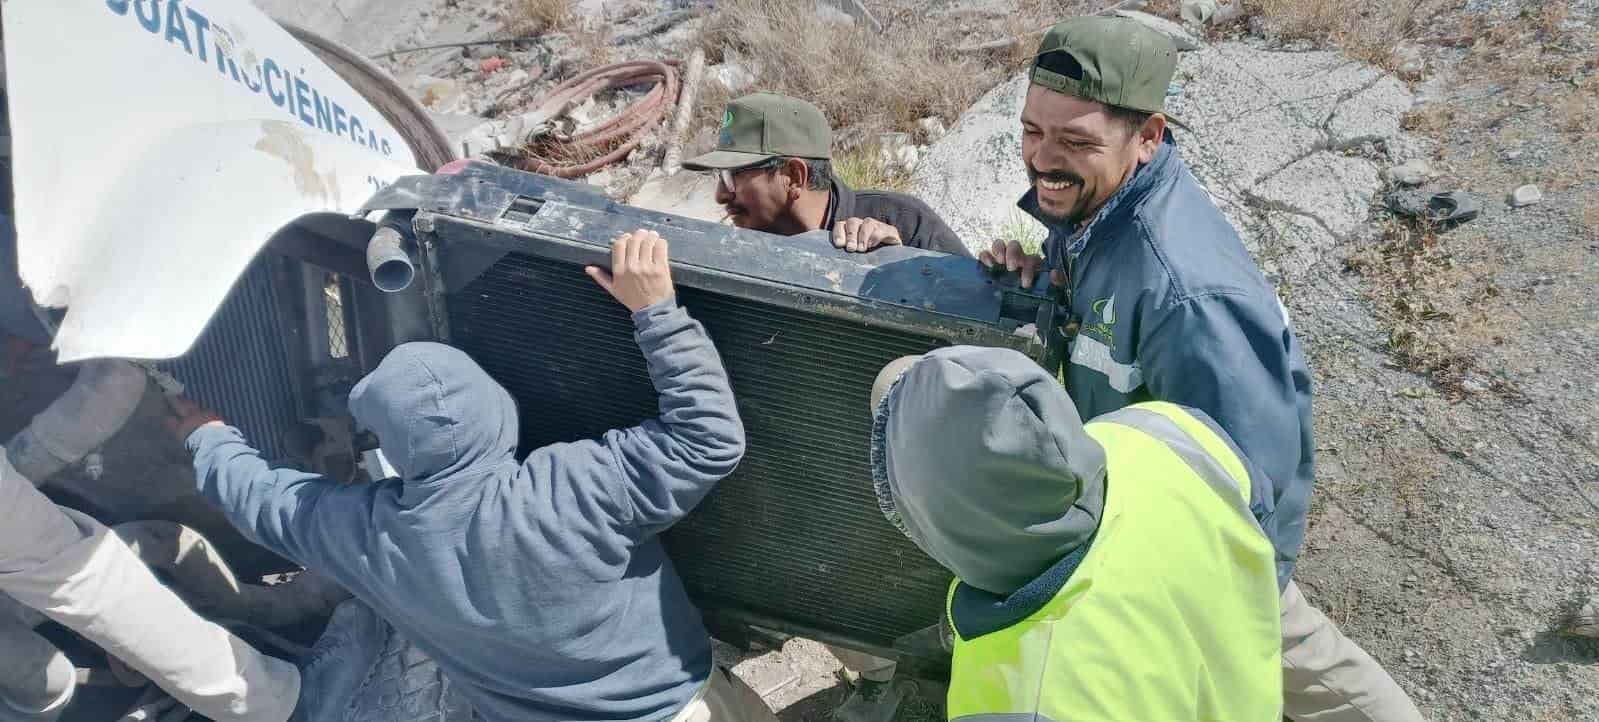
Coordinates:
column 1233, row 357
column 298, row 515
column 641, row 480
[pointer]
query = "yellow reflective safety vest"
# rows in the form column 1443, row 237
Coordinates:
column 1170, row 613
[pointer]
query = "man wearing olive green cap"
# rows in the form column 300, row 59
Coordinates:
column 774, row 174
column 1164, row 304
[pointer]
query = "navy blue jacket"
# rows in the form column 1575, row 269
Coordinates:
column 1171, row 307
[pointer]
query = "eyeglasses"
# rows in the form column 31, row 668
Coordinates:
column 725, row 176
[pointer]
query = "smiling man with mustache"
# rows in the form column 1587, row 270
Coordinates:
column 774, row 174
column 1164, row 303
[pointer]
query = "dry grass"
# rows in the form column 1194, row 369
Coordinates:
column 861, row 80
column 1435, row 309
column 863, row 167
column 535, row 17
column 1588, row 219
column 1576, row 114
column 1431, row 119
column 1365, row 29
column 1023, row 229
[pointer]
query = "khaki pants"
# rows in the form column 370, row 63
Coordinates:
column 725, row 698
column 1328, row 678
column 75, row 571
column 870, row 667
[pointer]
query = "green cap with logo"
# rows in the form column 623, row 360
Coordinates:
column 1122, row 62
column 766, row 125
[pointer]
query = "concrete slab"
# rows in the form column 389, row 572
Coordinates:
column 1309, row 85
column 1297, row 242
column 1372, row 114
column 1332, row 188
column 1238, row 124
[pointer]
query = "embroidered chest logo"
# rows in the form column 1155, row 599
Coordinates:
column 1103, row 328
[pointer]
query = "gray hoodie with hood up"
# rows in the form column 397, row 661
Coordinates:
column 980, row 457
column 539, row 587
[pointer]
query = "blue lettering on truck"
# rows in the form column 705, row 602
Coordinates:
column 152, row 23
column 191, row 31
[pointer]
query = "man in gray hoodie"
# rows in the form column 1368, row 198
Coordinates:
column 1110, row 571
column 540, row 587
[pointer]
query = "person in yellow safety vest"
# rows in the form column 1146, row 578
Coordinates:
column 1111, row 571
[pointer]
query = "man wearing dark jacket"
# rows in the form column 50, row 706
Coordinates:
column 774, row 175
column 1167, row 305
column 539, row 587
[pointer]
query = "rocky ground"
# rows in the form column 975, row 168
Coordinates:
column 1456, row 521
column 1454, row 526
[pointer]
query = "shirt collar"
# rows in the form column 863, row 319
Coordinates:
column 1144, row 177
column 840, row 204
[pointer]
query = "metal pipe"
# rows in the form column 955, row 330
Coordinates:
column 404, row 303
column 388, row 259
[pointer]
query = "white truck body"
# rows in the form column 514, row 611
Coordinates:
column 158, row 145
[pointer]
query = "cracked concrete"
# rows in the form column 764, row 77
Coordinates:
column 1334, row 189
column 1277, row 138
column 1370, row 115
column 1293, row 155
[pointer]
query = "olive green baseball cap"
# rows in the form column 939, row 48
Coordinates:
column 1121, row 61
column 766, row 125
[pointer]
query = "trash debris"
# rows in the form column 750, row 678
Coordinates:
column 661, row 24
column 1446, row 208
column 932, row 128
column 830, row 12
column 589, row 149
column 896, row 152
column 733, row 76
column 583, row 115
column 1584, row 623
column 440, row 95
column 1409, row 61
column 1410, row 173
column 855, row 10
column 1527, row 195
column 492, row 65
column 1197, row 12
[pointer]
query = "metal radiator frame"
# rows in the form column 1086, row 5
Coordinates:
column 465, row 223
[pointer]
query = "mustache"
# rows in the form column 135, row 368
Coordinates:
column 1056, row 176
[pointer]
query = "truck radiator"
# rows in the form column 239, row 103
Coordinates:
column 795, row 533
column 793, row 540
column 242, row 365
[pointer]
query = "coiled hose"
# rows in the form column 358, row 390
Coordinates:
column 610, row 141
